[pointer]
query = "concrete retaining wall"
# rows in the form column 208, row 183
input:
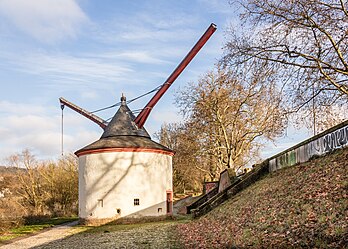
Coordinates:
column 327, row 141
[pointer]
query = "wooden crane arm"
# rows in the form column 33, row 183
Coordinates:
column 101, row 122
column 143, row 115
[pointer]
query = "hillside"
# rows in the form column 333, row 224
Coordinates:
column 300, row 206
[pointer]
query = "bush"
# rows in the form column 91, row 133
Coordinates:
column 38, row 190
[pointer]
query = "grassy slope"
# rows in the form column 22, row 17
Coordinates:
column 299, row 206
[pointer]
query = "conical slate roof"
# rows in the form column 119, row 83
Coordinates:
column 122, row 134
column 122, row 124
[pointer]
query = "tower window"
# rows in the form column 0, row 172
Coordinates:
column 100, row 203
column 136, row 202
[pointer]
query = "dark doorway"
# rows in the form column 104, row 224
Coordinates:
column 169, row 202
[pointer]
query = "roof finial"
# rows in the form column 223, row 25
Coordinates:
column 123, row 99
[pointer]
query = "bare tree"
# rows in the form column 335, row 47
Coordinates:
column 230, row 113
column 61, row 185
column 306, row 41
column 186, row 175
column 47, row 188
column 31, row 184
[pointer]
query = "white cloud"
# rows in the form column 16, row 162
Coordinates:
column 46, row 20
column 29, row 122
column 162, row 21
column 148, row 30
column 119, row 50
column 40, row 131
column 139, row 56
column 89, row 95
column 67, row 69
column 138, row 34
column 9, row 107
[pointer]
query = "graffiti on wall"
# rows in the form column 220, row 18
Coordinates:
column 336, row 139
column 324, row 144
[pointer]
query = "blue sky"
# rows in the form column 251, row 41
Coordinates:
column 90, row 52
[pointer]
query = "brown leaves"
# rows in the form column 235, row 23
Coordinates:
column 291, row 209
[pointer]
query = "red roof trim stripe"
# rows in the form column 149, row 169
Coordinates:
column 106, row 150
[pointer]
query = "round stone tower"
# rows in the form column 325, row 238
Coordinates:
column 124, row 173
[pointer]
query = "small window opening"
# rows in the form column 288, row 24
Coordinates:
column 159, row 210
column 100, row 203
column 136, row 202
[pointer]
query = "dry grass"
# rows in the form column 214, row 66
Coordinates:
column 300, row 206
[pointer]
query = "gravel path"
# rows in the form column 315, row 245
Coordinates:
column 52, row 234
column 149, row 235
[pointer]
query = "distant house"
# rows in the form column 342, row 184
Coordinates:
column 124, row 173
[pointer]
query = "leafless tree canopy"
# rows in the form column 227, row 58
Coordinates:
column 186, row 160
column 283, row 57
column 44, row 187
column 228, row 113
column 305, row 41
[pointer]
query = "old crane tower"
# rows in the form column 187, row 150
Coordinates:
column 125, row 173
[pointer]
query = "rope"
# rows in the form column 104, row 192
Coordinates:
column 62, row 141
column 108, row 119
column 136, row 111
column 153, row 90
column 129, row 101
column 105, row 108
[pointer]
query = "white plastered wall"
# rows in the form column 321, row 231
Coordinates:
column 111, row 181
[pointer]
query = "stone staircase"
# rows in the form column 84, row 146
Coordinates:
column 214, row 198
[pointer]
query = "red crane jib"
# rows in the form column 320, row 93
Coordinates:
column 102, row 123
column 143, row 115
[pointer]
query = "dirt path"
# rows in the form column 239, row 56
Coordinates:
column 55, row 233
column 148, row 235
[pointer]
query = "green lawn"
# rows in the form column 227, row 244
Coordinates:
column 34, row 228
